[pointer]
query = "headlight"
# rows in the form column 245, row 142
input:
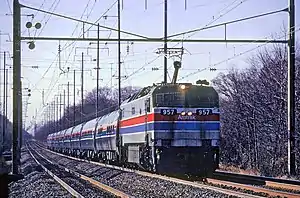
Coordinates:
column 190, row 113
column 182, row 113
column 182, row 86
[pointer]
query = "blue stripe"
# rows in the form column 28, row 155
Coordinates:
column 172, row 126
column 104, row 133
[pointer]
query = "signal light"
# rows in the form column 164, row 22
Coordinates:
column 31, row 45
column 38, row 25
column 28, row 24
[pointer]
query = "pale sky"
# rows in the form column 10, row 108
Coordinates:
column 141, row 58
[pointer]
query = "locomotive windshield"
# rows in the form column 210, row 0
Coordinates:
column 191, row 96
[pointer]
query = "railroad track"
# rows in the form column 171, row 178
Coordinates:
column 258, row 180
column 234, row 183
column 76, row 184
column 271, row 186
column 196, row 185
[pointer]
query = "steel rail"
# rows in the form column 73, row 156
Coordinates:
column 56, row 178
column 90, row 180
column 166, row 178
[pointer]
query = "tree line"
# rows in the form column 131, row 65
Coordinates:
column 254, row 115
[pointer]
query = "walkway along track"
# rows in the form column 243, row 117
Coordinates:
column 166, row 178
column 108, row 191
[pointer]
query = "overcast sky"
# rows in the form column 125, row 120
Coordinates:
column 141, row 57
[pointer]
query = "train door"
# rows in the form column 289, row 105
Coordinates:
column 147, row 153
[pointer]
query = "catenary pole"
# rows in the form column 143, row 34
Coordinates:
column 119, row 54
column 81, row 114
column 98, row 68
column 68, row 101
column 16, row 83
column 4, row 98
column 165, row 40
column 291, row 90
column 74, row 92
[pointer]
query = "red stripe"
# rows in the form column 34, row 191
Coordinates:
column 137, row 120
column 87, row 131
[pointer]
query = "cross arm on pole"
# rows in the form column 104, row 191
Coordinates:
column 82, row 21
column 158, row 40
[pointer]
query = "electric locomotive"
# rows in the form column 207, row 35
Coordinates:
column 170, row 128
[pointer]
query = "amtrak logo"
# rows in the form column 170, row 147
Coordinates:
column 187, row 117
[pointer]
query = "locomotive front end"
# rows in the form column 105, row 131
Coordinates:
column 186, row 129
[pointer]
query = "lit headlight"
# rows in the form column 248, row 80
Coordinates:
column 182, row 113
column 190, row 113
column 182, row 86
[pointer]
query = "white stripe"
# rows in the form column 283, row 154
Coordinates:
column 105, row 136
column 150, row 132
column 186, row 131
column 87, row 139
column 136, row 125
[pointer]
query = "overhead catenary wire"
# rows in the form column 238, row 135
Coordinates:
column 49, row 17
column 239, row 54
column 225, row 60
column 63, row 48
column 87, row 30
column 215, row 19
column 9, row 7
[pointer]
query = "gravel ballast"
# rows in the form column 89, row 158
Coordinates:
column 36, row 182
column 132, row 183
column 81, row 186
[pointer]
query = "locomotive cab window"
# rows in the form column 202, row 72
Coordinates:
column 193, row 96
column 132, row 110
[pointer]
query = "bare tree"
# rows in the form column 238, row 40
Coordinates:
column 254, row 113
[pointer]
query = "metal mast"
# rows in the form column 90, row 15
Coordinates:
column 291, row 90
column 165, row 40
column 16, row 83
